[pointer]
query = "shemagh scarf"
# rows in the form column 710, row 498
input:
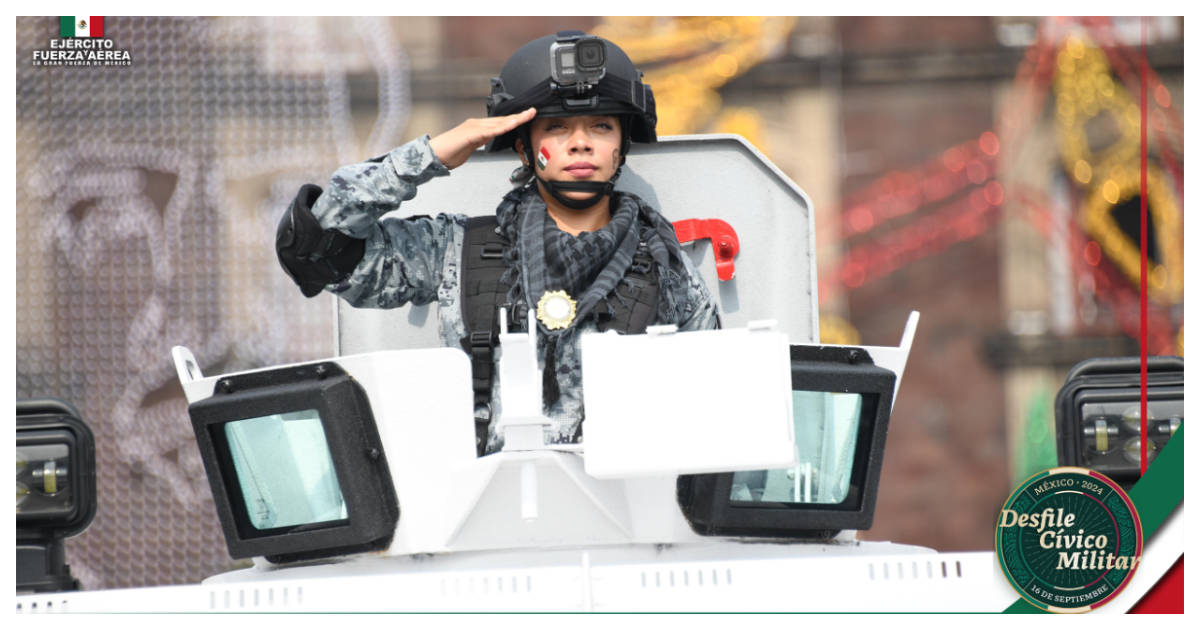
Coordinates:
column 588, row 266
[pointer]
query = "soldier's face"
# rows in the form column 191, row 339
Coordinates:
column 576, row 149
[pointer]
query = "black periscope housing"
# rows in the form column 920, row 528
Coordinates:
column 355, row 448
column 53, row 421
column 1109, row 380
column 705, row 499
column 43, row 521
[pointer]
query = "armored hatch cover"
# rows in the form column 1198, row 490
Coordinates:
column 718, row 176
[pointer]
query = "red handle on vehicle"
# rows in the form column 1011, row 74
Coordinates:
column 724, row 241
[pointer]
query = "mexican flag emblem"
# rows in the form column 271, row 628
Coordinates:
column 81, row 26
column 543, row 158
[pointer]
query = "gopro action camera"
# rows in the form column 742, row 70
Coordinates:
column 577, row 61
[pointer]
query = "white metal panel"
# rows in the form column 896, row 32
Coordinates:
column 690, row 402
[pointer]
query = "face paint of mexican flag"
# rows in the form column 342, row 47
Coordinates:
column 543, row 158
column 81, row 26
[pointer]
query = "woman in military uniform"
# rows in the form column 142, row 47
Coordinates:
column 563, row 243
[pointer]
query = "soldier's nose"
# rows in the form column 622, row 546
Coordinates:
column 580, row 142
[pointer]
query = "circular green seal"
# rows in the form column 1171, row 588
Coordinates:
column 1068, row 540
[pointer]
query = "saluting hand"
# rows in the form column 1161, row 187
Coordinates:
column 453, row 147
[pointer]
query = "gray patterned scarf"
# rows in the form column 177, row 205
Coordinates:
column 591, row 265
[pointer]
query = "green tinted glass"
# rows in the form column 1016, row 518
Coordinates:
column 826, row 434
column 285, row 470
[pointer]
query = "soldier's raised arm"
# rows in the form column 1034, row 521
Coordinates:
column 334, row 239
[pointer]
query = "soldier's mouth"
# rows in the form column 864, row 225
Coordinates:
column 581, row 169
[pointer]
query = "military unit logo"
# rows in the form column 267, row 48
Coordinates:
column 81, row 42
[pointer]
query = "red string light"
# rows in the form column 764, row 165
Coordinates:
column 989, row 143
column 961, row 220
column 899, row 193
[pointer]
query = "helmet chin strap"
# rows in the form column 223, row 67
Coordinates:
column 599, row 190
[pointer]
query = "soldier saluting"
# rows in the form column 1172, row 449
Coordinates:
column 563, row 243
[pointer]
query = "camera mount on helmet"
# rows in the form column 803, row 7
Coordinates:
column 572, row 73
column 576, row 68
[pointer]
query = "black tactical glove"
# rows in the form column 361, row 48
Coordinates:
column 311, row 256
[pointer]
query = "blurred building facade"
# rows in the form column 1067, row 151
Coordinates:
column 975, row 169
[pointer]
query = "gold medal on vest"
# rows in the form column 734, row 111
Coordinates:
column 556, row 310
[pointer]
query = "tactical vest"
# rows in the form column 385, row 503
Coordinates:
column 484, row 293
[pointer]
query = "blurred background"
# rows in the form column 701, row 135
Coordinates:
column 984, row 171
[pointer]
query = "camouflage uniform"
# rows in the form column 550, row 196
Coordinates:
column 418, row 260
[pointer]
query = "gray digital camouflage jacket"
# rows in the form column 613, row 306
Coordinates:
column 418, row 260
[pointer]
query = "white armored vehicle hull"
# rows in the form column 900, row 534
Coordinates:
column 354, row 484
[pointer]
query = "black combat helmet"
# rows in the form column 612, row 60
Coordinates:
column 573, row 74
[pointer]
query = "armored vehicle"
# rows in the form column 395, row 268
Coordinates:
column 725, row 470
